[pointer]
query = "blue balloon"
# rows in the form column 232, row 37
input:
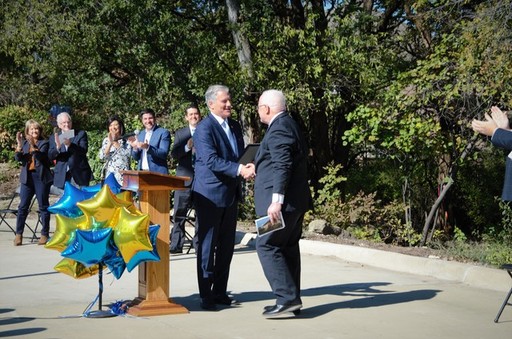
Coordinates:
column 93, row 189
column 114, row 260
column 111, row 181
column 66, row 205
column 143, row 256
column 89, row 247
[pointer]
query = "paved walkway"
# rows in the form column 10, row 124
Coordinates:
column 342, row 299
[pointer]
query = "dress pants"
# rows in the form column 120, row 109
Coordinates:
column 279, row 255
column 214, row 242
column 33, row 186
column 181, row 206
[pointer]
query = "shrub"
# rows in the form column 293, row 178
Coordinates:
column 363, row 215
column 12, row 120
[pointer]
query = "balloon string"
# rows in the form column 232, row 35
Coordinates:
column 88, row 309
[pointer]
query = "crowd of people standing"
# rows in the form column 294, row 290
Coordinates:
column 207, row 150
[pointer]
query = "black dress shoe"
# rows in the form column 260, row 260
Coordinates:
column 208, row 305
column 279, row 310
column 267, row 308
column 225, row 300
column 176, row 251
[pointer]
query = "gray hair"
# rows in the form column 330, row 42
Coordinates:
column 63, row 114
column 274, row 98
column 211, row 92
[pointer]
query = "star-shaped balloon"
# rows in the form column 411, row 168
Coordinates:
column 128, row 197
column 114, row 260
column 93, row 189
column 89, row 247
column 65, row 231
column 143, row 256
column 131, row 234
column 103, row 207
column 67, row 204
column 112, row 182
column 75, row 269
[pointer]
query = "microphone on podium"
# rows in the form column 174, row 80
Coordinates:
column 128, row 135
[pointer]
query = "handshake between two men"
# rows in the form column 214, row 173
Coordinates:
column 248, row 171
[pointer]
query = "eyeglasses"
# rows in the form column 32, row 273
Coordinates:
column 262, row 106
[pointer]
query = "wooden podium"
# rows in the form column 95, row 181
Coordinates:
column 154, row 198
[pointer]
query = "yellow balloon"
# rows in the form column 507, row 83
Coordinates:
column 125, row 196
column 65, row 231
column 131, row 234
column 103, row 207
column 75, row 269
column 128, row 196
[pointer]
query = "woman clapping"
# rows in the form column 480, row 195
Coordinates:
column 35, row 178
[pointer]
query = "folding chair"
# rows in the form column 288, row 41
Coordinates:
column 9, row 210
column 12, row 210
column 190, row 219
column 508, row 268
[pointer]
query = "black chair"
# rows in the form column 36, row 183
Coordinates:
column 508, row 268
column 191, row 220
column 9, row 210
column 12, row 210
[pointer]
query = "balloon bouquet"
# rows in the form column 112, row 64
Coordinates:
column 99, row 226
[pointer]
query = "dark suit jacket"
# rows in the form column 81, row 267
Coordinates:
column 42, row 162
column 503, row 139
column 281, row 167
column 159, row 145
column 216, row 163
column 184, row 167
column 75, row 157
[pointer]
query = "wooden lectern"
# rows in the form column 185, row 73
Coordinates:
column 154, row 281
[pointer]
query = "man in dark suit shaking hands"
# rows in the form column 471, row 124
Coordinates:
column 216, row 191
column 183, row 151
column 281, row 186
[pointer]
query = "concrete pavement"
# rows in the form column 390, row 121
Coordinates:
column 348, row 292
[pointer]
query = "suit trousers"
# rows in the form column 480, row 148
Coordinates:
column 33, row 186
column 182, row 202
column 214, row 242
column 279, row 255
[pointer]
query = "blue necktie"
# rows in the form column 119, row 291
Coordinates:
column 230, row 136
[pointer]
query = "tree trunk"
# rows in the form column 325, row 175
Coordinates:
column 433, row 210
column 247, row 118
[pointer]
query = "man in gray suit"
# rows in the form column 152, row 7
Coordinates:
column 281, row 186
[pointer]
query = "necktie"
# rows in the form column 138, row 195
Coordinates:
column 230, row 136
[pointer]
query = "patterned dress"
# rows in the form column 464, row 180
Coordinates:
column 119, row 159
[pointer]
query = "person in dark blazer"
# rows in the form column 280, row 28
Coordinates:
column 35, row 178
column 184, row 152
column 216, row 191
column 151, row 147
column 497, row 127
column 281, row 186
column 70, row 155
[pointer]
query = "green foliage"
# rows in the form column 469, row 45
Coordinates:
column 362, row 214
column 459, row 236
column 246, row 209
column 95, row 139
column 12, row 121
column 486, row 253
column 330, row 194
column 504, row 234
